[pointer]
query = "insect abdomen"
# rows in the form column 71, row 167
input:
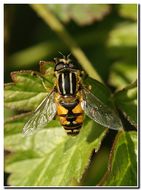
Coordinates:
column 71, row 116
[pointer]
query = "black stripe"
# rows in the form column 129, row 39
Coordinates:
column 74, row 83
column 67, row 116
column 72, row 126
column 73, row 133
column 60, row 83
column 70, row 105
column 70, row 117
column 75, row 114
column 67, row 82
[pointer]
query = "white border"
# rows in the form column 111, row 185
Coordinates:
column 73, row 2
column 1, row 97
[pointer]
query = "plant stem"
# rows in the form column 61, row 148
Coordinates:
column 49, row 18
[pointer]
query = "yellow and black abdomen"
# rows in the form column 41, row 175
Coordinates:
column 71, row 115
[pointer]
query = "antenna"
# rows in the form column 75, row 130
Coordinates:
column 68, row 55
column 62, row 54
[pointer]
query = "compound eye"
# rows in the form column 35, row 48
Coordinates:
column 59, row 66
column 71, row 65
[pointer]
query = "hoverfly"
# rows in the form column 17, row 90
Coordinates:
column 69, row 100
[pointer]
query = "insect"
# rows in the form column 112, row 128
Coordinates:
column 69, row 100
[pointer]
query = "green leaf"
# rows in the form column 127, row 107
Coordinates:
column 128, row 11
column 15, row 124
column 50, row 157
column 122, row 74
column 122, row 161
column 126, row 101
column 81, row 14
column 120, row 35
column 8, row 113
column 27, row 91
column 97, row 168
column 122, row 48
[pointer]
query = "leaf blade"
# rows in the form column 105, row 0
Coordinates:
column 27, row 91
column 126, row 101
column 122, row 162
column 62, row 160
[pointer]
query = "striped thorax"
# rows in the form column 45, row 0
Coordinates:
column 68, row 100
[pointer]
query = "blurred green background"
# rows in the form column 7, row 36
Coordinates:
column 106, row 34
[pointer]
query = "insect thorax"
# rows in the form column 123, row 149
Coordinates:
column 67, row 83
column 68, row 76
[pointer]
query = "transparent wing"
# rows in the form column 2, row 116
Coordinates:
column 99, row 112
column 44, row 113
